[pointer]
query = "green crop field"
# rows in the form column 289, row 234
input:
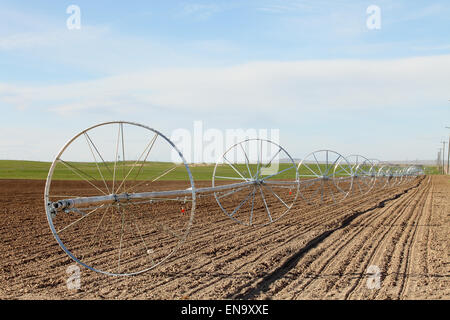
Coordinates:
column 431, row 170
column 12, row 169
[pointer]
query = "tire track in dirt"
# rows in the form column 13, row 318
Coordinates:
column 214, row 281
column 358, row 233
column 353, row 252
column 409, row 271
column 327, row 271
column 269, row 252
column 239, row 255
column 292, row 261
column 412, row 248
column 381, row 247
column 222, row 259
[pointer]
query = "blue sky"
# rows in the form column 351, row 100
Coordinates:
column 309, row 68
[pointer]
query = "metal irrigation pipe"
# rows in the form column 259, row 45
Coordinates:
column 124, row 197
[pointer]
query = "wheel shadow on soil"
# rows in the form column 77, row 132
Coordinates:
column 264, row 284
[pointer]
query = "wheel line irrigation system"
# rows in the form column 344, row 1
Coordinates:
column 254, row 196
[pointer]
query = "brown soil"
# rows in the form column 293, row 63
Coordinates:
column 314, row 252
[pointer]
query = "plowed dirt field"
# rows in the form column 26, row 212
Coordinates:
column 391, row 244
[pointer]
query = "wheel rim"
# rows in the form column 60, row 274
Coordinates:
column 363, row 175
column 124, row 238
column 273, row 187
column 385, row 176
column 325, row 176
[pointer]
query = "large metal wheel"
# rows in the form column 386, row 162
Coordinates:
column 325, row 176
column 269, row 182
column 375, row 171
column 385, row 177
column 412, row 173
column 400, row 176
column 364, row 176
column 117, row 234
column 396, row 176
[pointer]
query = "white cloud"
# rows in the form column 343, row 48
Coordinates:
column 57, row 38
column 30, row 143
column 300, row 6
column 432, row 10
column 200, row 11
column 445, row 47
column 300, row 89
column 259, row 86
column 95, row 49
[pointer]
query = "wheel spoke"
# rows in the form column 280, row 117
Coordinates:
column 74, row 170
column 237, row 171
column 253, row 205
column 317, row 162
column 342, row 169
column 240, row 205
column 165, row 173
column 276, row 196
column 153, row 179
column 315, row 192
column 93, row 237
column 363, row 181
column 273, row 157
column 123, row 160
column 231, row 192
column 95, row 160
column 149, row 147
column 167, row 230
column 309, row 183
column 247, row 162
column 116, row 158
column 98, row 152
column 259, row 162
column 340, row 190
column 359, row 185
column 229, row 178
column 265, row 204
column 314, row 173
column 79, row 219
column 278, row 173
column 334, row 163
column 138, row 230
column 121, row 239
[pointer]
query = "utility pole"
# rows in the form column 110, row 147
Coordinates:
column 438, row 162
column 443, row 156
column 448, row 155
